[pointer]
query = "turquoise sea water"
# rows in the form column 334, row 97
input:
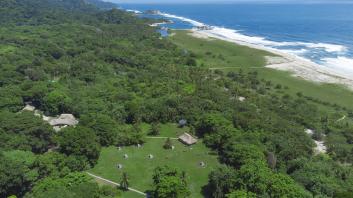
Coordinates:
column 322, row 33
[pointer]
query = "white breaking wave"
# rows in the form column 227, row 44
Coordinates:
column 341, row 64
column 134, row 11
column 256, row 40
column 327, row 47
column 297, row 52
column 193, row 22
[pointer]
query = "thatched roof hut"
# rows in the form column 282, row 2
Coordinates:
column 64, row 119
column 187, row 139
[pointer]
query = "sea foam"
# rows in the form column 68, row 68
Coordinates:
column 134, row 11
column 341, row 64
column 192, row 22
column 256, row 40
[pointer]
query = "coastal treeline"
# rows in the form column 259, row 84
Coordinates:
column 112, row 71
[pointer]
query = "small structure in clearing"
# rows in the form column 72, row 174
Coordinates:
column 150, row 156
column 126, row 156
column 64, row 119
column 187, row 139
column 182, row 123
column 202, row 164
column 58, row 123
column 120, row 166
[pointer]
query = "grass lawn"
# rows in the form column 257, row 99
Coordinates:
column 140, row 168
column 213, row 53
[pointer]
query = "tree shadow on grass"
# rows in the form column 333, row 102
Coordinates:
column 206, row 191
column 149, row 193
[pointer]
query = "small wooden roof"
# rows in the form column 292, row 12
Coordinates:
column 187, row 139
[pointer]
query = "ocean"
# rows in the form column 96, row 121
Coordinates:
column 321, row 33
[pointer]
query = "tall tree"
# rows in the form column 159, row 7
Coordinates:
column 170, row 183
column 168, row 144
column 155, row 129
column 17, row 173
column 79, row 141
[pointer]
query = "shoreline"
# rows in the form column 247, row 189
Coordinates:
column 298, row 67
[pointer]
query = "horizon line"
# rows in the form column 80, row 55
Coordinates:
column 240, row 2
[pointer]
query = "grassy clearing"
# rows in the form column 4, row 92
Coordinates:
column 213, row 53
column 5, row 49
column 140, row 168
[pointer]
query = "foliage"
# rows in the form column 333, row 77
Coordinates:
column 72, row 185
column 104, row 126
column 129, row 135
column 79, row 141
column 24, row 131
column 169, row 183
column 222, row 181
column 238, row 155
column 321, row 176
column 154, row 129
column 241, row 194
column 254, row 177
column 57, row 102
column 17, row 172
column 57, row 165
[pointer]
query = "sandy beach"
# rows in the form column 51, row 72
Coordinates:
column 299, row 67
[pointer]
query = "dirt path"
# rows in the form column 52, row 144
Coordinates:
column 162, row 138
column 114, row 183
column 344, row 117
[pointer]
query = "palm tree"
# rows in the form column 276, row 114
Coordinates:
column 154, row 129
column 183, row 178
column 124, row 184
column 168, row 144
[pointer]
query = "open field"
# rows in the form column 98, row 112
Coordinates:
column 213, row 53
column 140, row 168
